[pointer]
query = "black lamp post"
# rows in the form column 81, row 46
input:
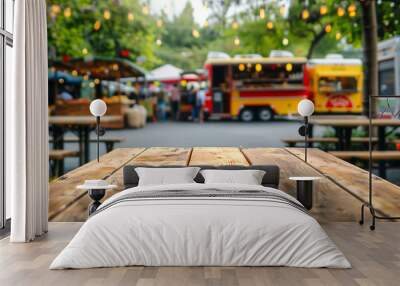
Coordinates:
column 98, row 108
column 305, row 109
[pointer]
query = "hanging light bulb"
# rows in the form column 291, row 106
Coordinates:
column 146, row 9
column 341, row 11
column 195, row 33
column 323, row 10
column 328, row 28
column 236, row 41
column 338, row 36
column 285, row 41
column 85, row 51
column 67, row 12
column 235, row 25
column 205, row 24
column 262, row 13
column 107, row 14
column 289, row 67
column 97, row 25
column 159, row 23
column 270, row 25
column 305, row 14
column 55, row 9
column 131, row 17
column 352, row 10
column 282, row 10
column 258, row 67
column 158, row 42
column 241, row 67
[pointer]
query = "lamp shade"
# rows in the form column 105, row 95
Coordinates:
column 98, row 108
column 305, row 107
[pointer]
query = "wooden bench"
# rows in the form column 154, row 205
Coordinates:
column 58, row 156
column 108, row 141
column 293, row 142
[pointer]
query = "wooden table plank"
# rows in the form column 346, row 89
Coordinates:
column 331, row 203
column 63, row 192
column 217, row 156
column 387, row 155
column 163, row 156
column 152, row 157
column 63, row 120
column 355, row 180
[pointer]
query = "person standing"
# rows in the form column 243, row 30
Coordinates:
column 175, row 99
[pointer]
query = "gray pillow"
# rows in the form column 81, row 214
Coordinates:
column 165, row 176
column 248, row 177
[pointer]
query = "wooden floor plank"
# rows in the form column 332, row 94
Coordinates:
column 355, row 180
column 217, row 156
column 375, row 259
column 331, row 203
column 152, row 156
column 62, row 191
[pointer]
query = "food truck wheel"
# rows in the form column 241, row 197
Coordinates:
column 247, row 115
column 265, row 114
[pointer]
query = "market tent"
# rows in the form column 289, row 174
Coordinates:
column 100, row 68
column 166, row 73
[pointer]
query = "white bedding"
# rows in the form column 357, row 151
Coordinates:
column 200, row 231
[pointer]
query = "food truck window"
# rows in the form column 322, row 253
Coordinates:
column 282, row 75
column 386, row 78
column 219, row 74
column 337, row 84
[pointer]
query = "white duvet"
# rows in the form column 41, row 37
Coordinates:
column 200, row 231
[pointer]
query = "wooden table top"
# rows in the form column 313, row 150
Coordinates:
column 338, row 195
column 81, row 120
column 353, row 122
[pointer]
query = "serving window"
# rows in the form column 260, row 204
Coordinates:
column 336, row 84
column 268, row 76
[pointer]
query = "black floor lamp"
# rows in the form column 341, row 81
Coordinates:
column 98, row 108
column 369, row 204
column 305, row 109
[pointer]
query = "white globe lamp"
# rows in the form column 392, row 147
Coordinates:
column 98, row 108
column 305, row 109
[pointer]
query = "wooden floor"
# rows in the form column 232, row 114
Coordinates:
column 375, row 257
column 337, row 197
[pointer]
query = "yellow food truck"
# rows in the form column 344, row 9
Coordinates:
column 335, row 84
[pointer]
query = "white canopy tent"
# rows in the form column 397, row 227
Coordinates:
column 166, row 72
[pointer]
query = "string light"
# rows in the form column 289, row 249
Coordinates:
column 55, row 9
column 74, row 73
column 85, row 51
column 159, row 23
column 195, row 33
column 236, row 41
column 97, row 81
column 328, row 28
column 262, row 13
column 289, row 67
column 97, row 25
column 205, row 24
column 158, row 42
column 282, row 10
column 145, row 10
column 352, row 10
column 235, row 25
column 67, row 12
column 338, row 36
column 258, row 68
column 107, row 14
column 131, row 17
column 305, row 14
column 323, row 9
column 285, row 41
column 270, row 25
column 91, row 84
column 241, row 67
column 341, row 11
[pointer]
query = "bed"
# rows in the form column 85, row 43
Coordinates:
column 201, row 224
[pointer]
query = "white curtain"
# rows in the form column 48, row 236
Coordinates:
column 27, row 124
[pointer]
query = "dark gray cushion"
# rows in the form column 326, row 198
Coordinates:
column 270, row 179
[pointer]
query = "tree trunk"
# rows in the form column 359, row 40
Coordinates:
column 318, row 37
column 370, row 51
